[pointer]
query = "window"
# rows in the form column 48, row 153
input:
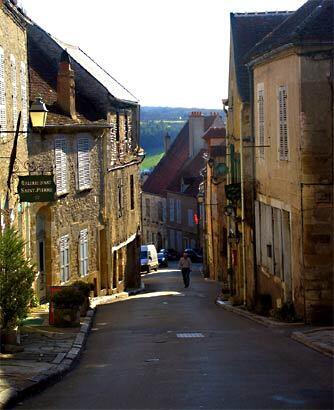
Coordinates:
column 61, row 165
column 83, row 149
column 132, row 193
column 160, row 212
column 171, row 210
column 117, row 128
column 83, row 252
column 147, row 208
column 164, row 212
column 113, row 145
column 120, row 198
column 14, row 88
column 178, row 211
column 260, row 114
column 172, row 238
column 190, row 217
column 64, row 258
column 3, row 118
column 23, row 77
column 283, row 124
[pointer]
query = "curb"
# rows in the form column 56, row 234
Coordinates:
column 319, row 347
column 62, row 364
column 254, row 317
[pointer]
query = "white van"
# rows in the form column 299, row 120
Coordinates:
column 148, row 258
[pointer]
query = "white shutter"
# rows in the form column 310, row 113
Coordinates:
column 61, row 165
column 83, row 253
column 283, row 124
column 260, row 111
column 3, row 118
column 257, row 232
column 24, row 98
column 14, row 89
column 84, row 180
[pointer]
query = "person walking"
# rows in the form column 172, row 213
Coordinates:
column 185, row 266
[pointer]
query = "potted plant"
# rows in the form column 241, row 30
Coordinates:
column 67, row 304
column 16, row 278
column 85, row 289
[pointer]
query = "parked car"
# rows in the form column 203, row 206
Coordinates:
column 173, row 255
column 163, row 259
column 194, row 256
column 148, row 258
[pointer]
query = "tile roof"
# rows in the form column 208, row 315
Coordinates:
column 215, row 132
column 247, row 29
column 93, row 99
column 165, row 175
column 190, row 174
column 311, row 23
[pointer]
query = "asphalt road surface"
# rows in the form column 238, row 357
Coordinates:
column 173, row 348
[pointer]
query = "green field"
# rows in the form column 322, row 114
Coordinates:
column 151, row 160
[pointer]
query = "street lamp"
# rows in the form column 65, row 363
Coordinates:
column 38, row 113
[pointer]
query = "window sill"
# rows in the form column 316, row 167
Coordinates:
column 79, row 191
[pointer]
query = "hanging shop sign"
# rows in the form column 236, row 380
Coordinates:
column 233, row 191
column 36, row 188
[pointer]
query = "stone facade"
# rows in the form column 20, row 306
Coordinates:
column 92, row 230
column 298, row 187
column 14, row 99
column 154, row 220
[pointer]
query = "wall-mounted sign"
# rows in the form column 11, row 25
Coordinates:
column 36, row 188
column 233, row 191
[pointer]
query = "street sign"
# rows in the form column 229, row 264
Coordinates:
column 233, row 191
column 36, row 188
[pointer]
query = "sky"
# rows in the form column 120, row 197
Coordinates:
column 166, row 52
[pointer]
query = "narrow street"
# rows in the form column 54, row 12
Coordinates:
column 140, row 355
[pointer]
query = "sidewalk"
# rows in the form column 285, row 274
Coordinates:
column 49, row 353
column 317, row 338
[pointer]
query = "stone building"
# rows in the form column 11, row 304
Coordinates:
column 176, row 179
column 246, row 30
column 154, row 220
column 292, row 81
column 91, row 231
column 13, row 102
column 212, row 200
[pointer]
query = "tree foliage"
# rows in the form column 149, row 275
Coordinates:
column 16, row 279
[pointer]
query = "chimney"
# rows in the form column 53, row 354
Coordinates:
column 196, row 131
column 167, row 141
column 66, row 86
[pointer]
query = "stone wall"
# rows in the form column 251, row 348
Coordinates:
column 13, row 42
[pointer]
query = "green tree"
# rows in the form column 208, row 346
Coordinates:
column 16, row 279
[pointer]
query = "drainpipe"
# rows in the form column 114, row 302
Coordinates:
column 243, row 243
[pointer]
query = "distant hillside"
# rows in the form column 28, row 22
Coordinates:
column 155, row 122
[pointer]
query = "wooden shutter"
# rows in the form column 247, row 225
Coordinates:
column 258, row 232
column 24, row 98
column 14, row 88
column 283, row 124
column 178, row 211
column 171, row 210
column 83, row 252
column 61, row 165
column 83, row 146
column 3, row 118
column 260, row 111
column 113, row 144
